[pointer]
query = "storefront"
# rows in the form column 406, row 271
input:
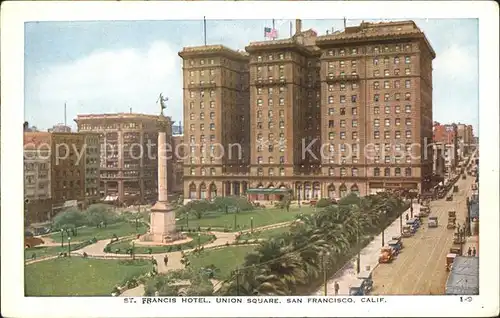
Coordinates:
column 268, row 194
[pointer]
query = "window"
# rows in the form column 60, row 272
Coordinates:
column 354, row 135
column 282, row 101
column 354, row 63
column 270, row 114
column 387, row 172
column 354, row 51
column 376, row 73
column 387, row 122
column 282, row 89
column 342, row 98
column 330, row 87
column 397, row 84
column 407, row 96
column 375, row 61
column 408, row 108
column 386, row 97
column 342, row 123
column 202, row 116
column 376, row 159
column 342, row 52
column 376, row 110
column 331, row 135
column 269, row 68
column 342, row 86
column 397, row 121
column 331, row 124
column 282, row 113
column 342, row 64
column 354, row 123
column 342, row 135
column 387, row 109
column 408, row 159
column 260, row 172
column 408, row 121
column 192, row 171
column 270, row 57
column 212, row 138
column 191, row 127
column 354, row 86
column 376, row 85
column 376, row 134
column 386, row 84
column 270, row 90
column 386, row 73
column 259, row 102
column 397, row 96
column 376, row 122
column 387, row 134
column 376, row 172
column 282, row 124
column 397, row 172
column 408, row 134
column 191, row 94
column 202, row 62
column 386, row 60
column 407, row 71
column 354, row 172
column 342, row 111
column 191, row 116
column 191, row 105
column 397, row 134
column 376, row 49
column 397, row 109
column 212, row 126
column 407, row 60
column 212, row 104
column 331, row 172
column 407, row 84
column 343, row 172
column 396, row 60
column 407, row 172
column 396, row 71
column 202, row 105
column 191, row 62
column 281, row 56
column 376, row 97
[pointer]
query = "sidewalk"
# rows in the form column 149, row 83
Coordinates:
column 369, row 257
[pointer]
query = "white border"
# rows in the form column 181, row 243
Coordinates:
column 14, row 14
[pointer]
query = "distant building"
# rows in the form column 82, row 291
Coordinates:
column 178, row 150
column 446, row 136
column 60, row 128
column 92, row 168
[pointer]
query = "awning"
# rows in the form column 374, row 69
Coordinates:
column 111, row 198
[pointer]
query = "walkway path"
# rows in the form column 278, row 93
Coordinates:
column 369, row 257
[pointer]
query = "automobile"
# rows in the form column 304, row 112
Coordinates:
column 398, row 238
column 455, row 188
column 433, row 221
column 366, row 277
column 357, row 288
column 395, row 246
column 425, row 210
column 407, row 231
column 449, row 197
column 386, row 255
column 449, row 261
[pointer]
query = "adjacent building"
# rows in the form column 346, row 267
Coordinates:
column 37, row 176
column 60, row 128
column 321, row 116
column 445, row 137
column 128, row 155
column 92, row 168
column 177, row 164
column 216, row 120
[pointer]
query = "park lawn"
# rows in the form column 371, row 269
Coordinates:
column 77, row 276
column 143, row 249
column 261, row 217
column 264, row 234
column 224, row 259
column 44, row 251
column 87, row 233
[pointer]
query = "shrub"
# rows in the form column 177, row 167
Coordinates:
column 208, row 229
column 107, row 249
column 323, row 203
column 179, row 247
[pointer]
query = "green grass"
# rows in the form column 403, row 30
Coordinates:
column 76, row 276
column 44, row 251
column 142, row 249
column 225, row 259
column 265, row 234
column 86, row 233
column 261, row 217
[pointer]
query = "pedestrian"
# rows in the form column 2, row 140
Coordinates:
column 406, row 217
column 336, row 287
column 474, row 251
column 165, row 260
column 469, row 251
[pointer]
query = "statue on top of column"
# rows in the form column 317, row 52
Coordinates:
column 162, row 100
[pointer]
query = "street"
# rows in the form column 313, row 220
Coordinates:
column 420, row 267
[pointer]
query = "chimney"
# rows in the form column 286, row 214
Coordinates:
column 298, row 26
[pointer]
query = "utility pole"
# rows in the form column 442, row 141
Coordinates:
column 237, row 281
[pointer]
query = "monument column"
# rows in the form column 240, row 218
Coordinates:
column 162, row 213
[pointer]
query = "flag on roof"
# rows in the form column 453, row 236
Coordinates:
column 270, row 33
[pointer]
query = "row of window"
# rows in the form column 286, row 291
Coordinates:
column 270, row 114
column 202, row 62
column 270, row 90
column 375, row 49
column 202, row 116
column 192, row 94
column 202, row 72
column 376, row 135
column 192, row 127
column 270, row 124
column 376, row 122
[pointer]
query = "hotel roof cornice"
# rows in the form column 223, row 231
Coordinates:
column 213, row 50
column 120, row 116
column 368, row 32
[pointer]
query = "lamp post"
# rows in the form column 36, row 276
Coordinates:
column 133, row 250
column 199, row 240
column 383, row 231
column 187, row 219
column 62, row 238
column 325, row 277
column 358, row 258
column 300, row 190
column 235, row 216
column 251, row 224
column 69, row 246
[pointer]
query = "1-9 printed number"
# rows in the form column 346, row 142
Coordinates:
column 465, row 299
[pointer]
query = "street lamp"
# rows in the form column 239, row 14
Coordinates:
column 187, row 219
column 133, row 250
column 358, row 258
column 324, row 256
column 62, row 238
column 251, row 224
column 383, row 231
column 199, row 240
column 300, row 190
column 69, row 246
column 235, row 221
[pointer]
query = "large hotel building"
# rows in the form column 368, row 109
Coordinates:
column 320, row 116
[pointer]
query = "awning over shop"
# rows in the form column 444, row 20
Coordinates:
column 111, row 198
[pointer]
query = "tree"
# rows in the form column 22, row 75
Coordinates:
column 69, row 219
column 98, row 214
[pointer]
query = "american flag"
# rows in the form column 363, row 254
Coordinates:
column 270, row 33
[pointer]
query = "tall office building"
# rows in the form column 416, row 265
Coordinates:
column 331, row 114
column 216, row 120
column 128, row 155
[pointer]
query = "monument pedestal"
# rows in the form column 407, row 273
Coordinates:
column 162, row 223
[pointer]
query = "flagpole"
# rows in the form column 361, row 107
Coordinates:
column 274, row 31
column 291, row 29
column 345, row 23
column 205, row 29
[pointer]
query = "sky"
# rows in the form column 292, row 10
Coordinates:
column 112, row 66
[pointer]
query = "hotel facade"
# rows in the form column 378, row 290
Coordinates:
column 315, row 116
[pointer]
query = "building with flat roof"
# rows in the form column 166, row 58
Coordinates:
column 128, row 155
column 324, row 115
